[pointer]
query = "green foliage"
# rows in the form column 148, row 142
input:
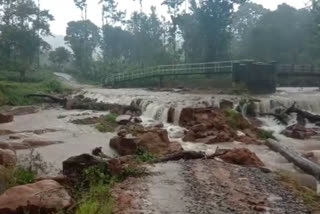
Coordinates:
column 13, row 93
column 22, row 176
column 98, row 200
column 11, row 177
column 143, row 156
column 22, row 26
column 265, row 135
column 310, row 197
column 236, row 120
column 59, row 57
column 107, row 123
column 83, row 38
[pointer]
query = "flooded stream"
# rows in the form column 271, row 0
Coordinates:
column 155, row 105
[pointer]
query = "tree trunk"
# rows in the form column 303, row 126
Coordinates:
column 304, row 164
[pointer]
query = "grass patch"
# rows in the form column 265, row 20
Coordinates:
column 98, row 200
column 107, row 123
column 144, row 156
column 11, row 177
column 236, row 120
column 309, row 197
column 13, row 93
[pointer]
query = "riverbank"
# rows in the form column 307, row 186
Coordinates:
column 190, row 183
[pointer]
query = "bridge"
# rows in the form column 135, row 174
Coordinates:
column 225, row 67
column 258, row 77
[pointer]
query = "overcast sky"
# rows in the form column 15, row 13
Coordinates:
column 65, row 11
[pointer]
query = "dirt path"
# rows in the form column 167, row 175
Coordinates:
column 206, row 187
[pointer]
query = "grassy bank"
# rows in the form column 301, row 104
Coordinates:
column 13, row 91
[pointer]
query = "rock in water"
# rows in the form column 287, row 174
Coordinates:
column 6, row 118
column 8, row 158
column 45, row 196
column 153, row 140
column 123, row 119
column 73, row 167
column 243, row 157
column 226, row 104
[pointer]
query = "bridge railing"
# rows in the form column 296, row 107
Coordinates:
column 167, row 70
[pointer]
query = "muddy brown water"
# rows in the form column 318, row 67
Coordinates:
column 80, row 139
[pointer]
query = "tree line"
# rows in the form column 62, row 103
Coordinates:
column 202, row 31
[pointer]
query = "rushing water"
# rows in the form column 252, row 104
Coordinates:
column 155, row 106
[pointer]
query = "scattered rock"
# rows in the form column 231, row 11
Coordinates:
column 86, row 121
column 126, row 145
column 8, row 158
column 171, row 113
column 74, row 166
column 6, row 118
column 24, row 110
column 118, row 165
column 123, row 119
column 14, row 137
column 39, row 143
column 226, row 104
column 243, row 157
column 6, row 132
column 153, row 140
column 137, row 120
column 300, row 132
column 42, row 131
column 45, row 196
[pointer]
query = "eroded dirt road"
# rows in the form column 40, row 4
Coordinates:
column 206, row 187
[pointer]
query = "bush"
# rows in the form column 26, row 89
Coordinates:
column 107, row 123
column 265, row 135
column 143, row 155
column 236, row 120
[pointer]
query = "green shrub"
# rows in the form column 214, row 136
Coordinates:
column 265, row 135
column 143, row 155
column 107, row 123
column 236, row 120
column 98, row 200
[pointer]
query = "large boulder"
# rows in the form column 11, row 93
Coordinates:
column 6, row 118
column 8, row 158
column 42, row 197
column 124, row 145
column 153, row 140
column 74, row 166
column 226, row 104
column 243, row 157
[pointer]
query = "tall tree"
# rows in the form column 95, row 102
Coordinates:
column 83, row 37
column 111, row 14
column 22, row 26
column 83, row 6
column 206, row 30
column 59, row 57
column 281, row 35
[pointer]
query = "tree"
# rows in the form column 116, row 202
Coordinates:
column 244, row 21
column 173, row 10
column 82, row 5
column 281, row 36
column 206, row 30
column 22, row 26
column 59, row 57
column 110, row 12
column 83, row 38
column 148, row 32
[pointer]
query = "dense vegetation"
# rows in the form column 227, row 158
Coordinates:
column 193, row 31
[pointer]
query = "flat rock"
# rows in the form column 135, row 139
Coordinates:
column 6, row 118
